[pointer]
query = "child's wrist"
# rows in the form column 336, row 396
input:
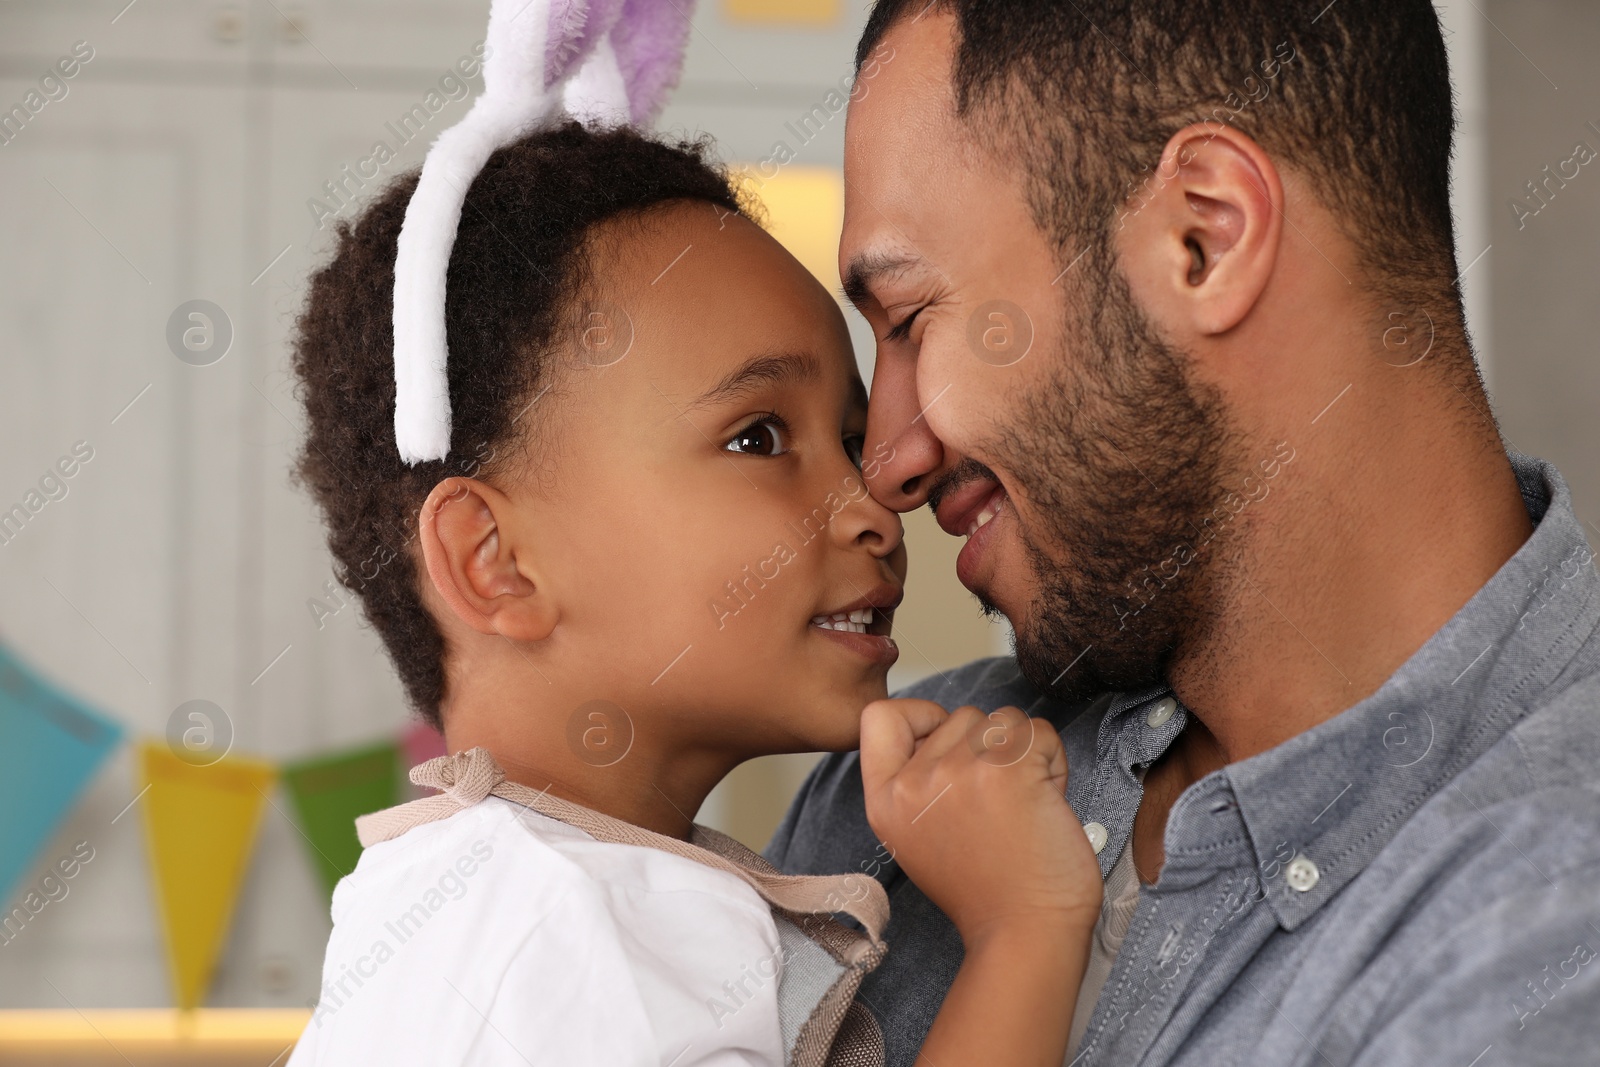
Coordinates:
column 1032, row 931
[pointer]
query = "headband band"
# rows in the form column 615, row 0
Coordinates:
column 601, row 62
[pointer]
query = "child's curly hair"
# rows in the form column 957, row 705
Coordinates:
column 516, row 271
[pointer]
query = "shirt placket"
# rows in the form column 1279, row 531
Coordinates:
column 1135, row 730
column 1173, row 927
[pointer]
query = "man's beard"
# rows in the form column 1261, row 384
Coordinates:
column 1121, row 456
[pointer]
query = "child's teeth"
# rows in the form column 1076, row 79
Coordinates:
column 851, row 621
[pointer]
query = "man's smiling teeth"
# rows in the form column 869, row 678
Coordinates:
column 990, row 510
column 855, row 622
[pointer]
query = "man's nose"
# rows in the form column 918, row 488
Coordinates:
column 901, row 454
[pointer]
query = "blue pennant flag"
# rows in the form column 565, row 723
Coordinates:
column 50, row 747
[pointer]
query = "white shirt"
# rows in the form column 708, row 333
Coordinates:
column 500, row 936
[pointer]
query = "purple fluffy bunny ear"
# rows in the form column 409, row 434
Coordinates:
column 597, row 60
column 650, row 39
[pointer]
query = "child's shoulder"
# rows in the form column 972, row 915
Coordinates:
column 548, row 938
column 499, row 843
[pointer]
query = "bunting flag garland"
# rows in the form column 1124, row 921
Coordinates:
column 50, row 748
column 330, row 791
column 201, row 821
column 200, row 824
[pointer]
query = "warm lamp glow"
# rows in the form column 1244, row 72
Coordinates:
column 805, row 208
column 808, row 13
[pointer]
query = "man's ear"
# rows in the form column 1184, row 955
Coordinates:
column 469, row 543
column 1200, row 237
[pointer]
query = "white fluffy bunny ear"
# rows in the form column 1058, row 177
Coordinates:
column 601, row 61
column 597, row 95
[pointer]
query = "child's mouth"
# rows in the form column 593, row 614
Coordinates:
column 854, row 622
column 863, row 628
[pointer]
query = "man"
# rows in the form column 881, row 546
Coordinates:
column 1168, row 328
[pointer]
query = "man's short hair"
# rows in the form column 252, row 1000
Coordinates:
column 1354, row 95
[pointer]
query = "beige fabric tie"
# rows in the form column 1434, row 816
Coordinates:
column 466, row 778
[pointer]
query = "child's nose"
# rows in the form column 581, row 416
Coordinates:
column 864, row 521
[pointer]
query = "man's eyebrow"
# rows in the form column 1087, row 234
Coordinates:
column 782, row 368
column 869, row 265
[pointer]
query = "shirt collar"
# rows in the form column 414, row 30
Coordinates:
column 1127, row 731
column 1336, row 794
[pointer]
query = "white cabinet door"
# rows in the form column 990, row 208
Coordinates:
column 177, row 565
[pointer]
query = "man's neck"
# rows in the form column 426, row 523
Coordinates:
column 1367, row 543
column 1386, row 523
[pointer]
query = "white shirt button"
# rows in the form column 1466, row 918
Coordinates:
column 1165, row 709
column 1097, row 836
column 1302, row 874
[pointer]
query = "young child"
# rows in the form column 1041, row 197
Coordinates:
column 647, row 556
column 616, row 543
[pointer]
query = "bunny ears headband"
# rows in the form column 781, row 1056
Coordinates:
column 598, row 61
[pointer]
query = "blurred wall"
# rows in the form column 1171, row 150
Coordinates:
column 1543, row 104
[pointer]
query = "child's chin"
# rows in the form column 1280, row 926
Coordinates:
column 845, row 741
column 839, row 727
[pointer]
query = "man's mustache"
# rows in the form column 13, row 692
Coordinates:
column 967, row 470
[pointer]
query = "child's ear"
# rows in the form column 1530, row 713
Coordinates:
column 468, row 535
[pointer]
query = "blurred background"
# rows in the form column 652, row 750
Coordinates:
column 190, row 166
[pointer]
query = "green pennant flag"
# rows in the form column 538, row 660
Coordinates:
column 330, row 791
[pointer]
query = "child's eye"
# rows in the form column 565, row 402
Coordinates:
column 767, row 436
column 854, row 445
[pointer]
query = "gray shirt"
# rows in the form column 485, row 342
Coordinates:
column 1414, row 881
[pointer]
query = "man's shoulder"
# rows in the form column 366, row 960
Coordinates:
column 1558, row 742
column 1489, row 896
column 989, row 683
column 1515, row 834
column 1537, row 790
column 1531, row 799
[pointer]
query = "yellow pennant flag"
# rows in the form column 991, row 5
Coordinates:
column 200, row 822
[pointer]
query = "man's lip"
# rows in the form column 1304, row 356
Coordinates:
column 960, row 507
column 970, row 570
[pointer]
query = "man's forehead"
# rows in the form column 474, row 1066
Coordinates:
column 903, row 136
column 893, row 134
column 912, row 165
column 903, row 92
